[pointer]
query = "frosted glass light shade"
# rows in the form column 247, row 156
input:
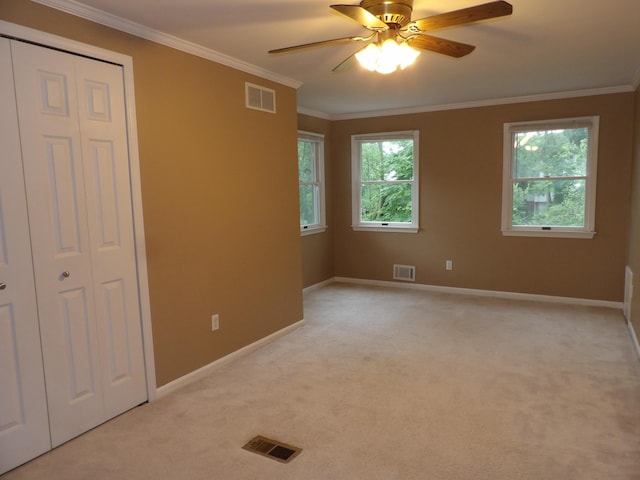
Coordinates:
column 386, row 58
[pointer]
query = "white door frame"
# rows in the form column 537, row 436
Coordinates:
column 72, row 46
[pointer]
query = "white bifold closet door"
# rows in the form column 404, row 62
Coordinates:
column 74, row 159
column 24, row 427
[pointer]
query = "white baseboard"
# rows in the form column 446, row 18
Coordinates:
column 207, row 369
column 485, row 293
column 316, row 286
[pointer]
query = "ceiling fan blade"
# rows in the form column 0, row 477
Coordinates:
column 360, row 15
column 334, row 41
column 440, row 45
column 346, row 64
column 466, row 15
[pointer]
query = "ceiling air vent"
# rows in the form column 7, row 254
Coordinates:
column 260, row 98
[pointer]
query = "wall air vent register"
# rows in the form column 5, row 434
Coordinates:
column 260, row 98
column 404, row 272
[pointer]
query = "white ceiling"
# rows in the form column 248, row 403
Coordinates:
column 546, row 47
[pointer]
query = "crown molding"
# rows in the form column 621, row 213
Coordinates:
column 103, row 18
column 314, row 113
column 486, row 103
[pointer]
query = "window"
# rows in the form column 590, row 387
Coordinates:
column 311, row 176
column 549, row 178
column 385, row 181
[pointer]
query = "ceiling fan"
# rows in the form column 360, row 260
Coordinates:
column 391, row 26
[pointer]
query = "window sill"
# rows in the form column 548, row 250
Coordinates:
column 384, row 228
column 311, row 230
column 553, row 233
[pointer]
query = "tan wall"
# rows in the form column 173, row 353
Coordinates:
column 460, row 205
column 220, row 196
column 633, row 259
column 318, row 248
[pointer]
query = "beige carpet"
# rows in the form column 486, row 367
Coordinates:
column 385, row 383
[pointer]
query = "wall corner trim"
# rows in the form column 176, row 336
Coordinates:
column 634, row 338
column 636, row 80
column 202, row 372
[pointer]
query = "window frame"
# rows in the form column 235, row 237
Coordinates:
column 356, row 183
column 318, row 140
column 592, row 123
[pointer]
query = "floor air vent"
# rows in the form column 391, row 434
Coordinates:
column 404, row 272
column 260, row 98
column 273, row 449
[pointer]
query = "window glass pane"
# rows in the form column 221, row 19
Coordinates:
column 554, row 203
column 387, row 160
column 308, row 205
column 386, row 203
column 551, row 153
column 306, row 161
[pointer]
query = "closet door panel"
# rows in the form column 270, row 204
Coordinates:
column 106, row 160
column 24, row 428
column 46, row 95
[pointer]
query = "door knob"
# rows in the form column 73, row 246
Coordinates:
column 66, row 274
column 3, row 286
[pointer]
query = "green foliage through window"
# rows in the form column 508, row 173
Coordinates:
column 387, row 169
column 309, row 165
column 550, row 174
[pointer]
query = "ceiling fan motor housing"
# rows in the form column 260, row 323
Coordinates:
column 397, row 12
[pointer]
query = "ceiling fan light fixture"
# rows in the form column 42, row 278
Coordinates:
column 397, row 35
column 386, row 58
column 368, row 57
column 406, row 55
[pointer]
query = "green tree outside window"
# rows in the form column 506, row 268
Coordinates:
column 549, row 183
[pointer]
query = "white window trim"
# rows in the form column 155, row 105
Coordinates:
column 588, row 231
column 356, row 170
column 321, row 226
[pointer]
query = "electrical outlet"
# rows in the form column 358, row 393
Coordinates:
column 448, row 264
column 215, row 322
